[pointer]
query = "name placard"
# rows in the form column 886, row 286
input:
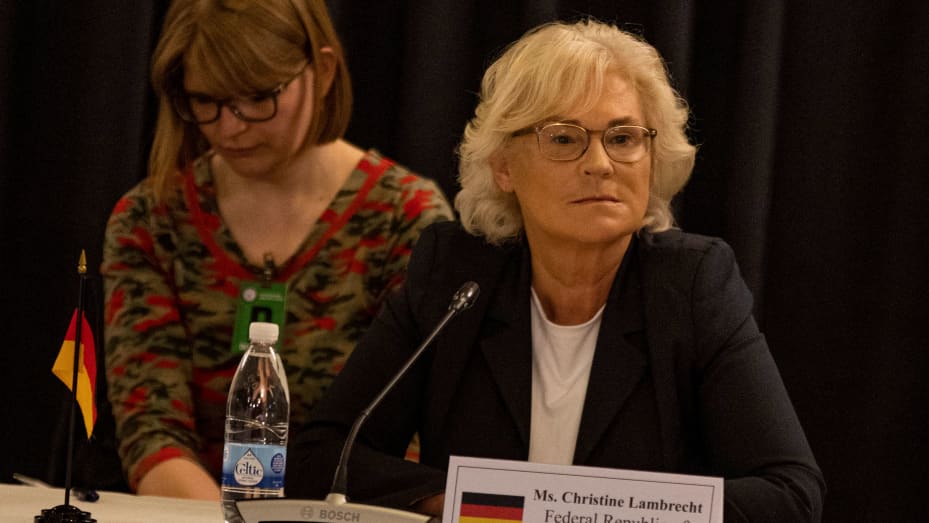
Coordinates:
column 501, row 491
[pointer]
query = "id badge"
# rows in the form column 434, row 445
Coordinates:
column 258, row 301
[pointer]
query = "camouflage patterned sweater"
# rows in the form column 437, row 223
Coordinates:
column 171, row 274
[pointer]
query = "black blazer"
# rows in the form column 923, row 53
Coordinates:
column 682, row 381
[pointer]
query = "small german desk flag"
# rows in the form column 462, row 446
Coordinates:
column 87, row 369
column 478, row 507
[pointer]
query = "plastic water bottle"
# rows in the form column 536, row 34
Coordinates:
column 257, row 416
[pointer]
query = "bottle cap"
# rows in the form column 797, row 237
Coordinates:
column 263, row 332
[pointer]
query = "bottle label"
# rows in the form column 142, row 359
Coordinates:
column 254, row 465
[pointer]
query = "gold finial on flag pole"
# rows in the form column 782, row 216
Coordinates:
column 82, row 263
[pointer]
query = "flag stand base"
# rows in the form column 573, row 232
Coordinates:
column 64, row 514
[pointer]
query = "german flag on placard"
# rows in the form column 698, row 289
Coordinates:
column 490, row 508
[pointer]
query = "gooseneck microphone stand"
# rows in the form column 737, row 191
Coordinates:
column 336, row 506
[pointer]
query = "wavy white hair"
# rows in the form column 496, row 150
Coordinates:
column 559, row 68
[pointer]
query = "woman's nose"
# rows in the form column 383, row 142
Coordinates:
column 595, row 160
column 229, row 123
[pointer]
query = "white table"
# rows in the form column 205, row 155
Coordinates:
column 21, row 503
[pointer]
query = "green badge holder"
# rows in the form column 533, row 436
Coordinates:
column 258, row 301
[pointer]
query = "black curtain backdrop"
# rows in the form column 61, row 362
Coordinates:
column 812, row 165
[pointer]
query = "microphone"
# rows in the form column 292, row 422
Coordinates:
column 336, row 506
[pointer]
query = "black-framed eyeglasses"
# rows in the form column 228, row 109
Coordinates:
column 564, row 142
column 201, row 109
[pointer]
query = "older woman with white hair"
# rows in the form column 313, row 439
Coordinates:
column 602, row 335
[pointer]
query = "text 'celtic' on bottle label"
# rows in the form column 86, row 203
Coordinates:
column 254, row 465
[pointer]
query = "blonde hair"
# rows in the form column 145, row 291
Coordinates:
column 241, row 47
column 555, row 69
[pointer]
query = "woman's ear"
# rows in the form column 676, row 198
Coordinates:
column 324, row 68
column 500, row 169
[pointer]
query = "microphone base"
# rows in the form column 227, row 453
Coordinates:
column 334, row 508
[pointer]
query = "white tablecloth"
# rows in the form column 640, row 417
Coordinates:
column 21, row 503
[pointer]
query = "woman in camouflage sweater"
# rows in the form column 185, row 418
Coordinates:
column 250, row 183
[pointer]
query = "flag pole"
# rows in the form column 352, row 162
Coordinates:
column 68, row 513
column 82, row 273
